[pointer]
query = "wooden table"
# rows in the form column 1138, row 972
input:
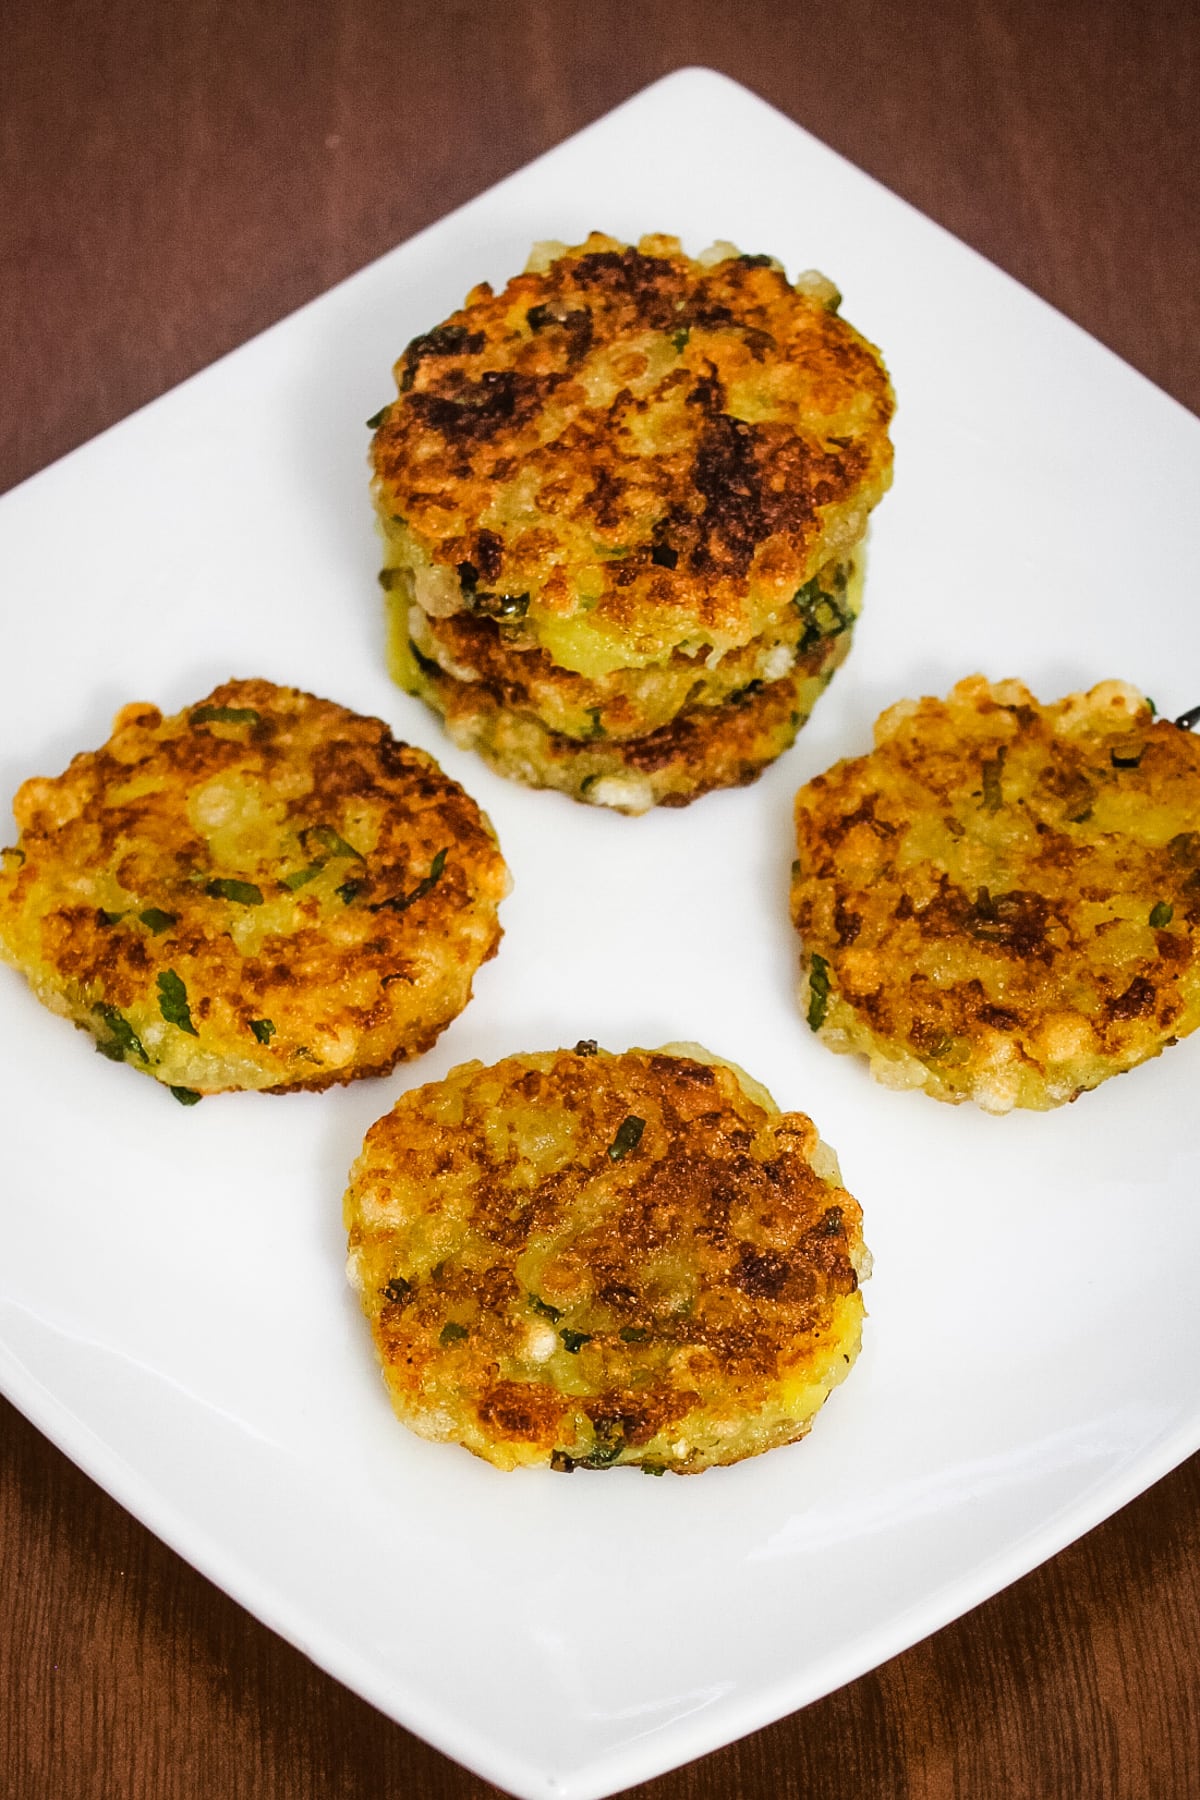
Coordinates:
column 176, row 178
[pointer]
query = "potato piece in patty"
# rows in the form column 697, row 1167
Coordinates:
column 700, row 749
column 1001, row 903
column 632, row 703
column 265, row 891
column 582, row 1260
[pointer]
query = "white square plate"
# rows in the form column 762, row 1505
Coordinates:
column 173, row 1309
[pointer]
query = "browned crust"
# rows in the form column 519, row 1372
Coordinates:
column 702, row 1278
column 161, row 854
column 707, row 435
column 1006, row 895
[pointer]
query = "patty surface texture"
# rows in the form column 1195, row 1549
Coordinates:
column 701, row 748
column 264, row 891
column 632, row 703
column 579, row 1259
column 630, row 451
column 1001, row 902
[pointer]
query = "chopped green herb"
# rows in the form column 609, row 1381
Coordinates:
column 301, row 877
column 329, row 840
column 505, row 607
column 553, row 1313
column 741, row 695
column 654, row 1468
column 452, row 1333
column 679, row 338
column 243, row 893
column 993, row 770
column 348, row 891
column 187, row 1096
column 109, row 918
column 596, row 729
column 822, row 615
column 608, row 1441
column 156, row 920
column 629, row 1136
column 818, row 992
column 123, row 1040
column 224, row 715
column 633, row 1334
column 425, row 663
column 573, row 1341
column 1153, row 708
column 173, row 1002
column 376, row 419
column 402, row 902
column 1161, row 914
column 396, row 1290
column 263, row 1029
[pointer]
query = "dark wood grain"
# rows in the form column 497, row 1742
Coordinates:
column 175, row 179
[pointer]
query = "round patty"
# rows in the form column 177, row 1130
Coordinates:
column 265, row 891
column 631, row 703
column 703, row 748
column 582, row 1259
column 630, row 450
column 1001, row 903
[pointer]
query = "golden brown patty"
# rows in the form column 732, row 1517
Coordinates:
column 582, row 1259
column 702, row 748
column 629, row 703
column 630, row 451
column 265, row 891
column 1001, row 902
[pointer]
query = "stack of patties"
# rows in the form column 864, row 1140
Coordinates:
column 623, row 504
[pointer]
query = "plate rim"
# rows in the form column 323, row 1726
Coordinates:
column 604, row 1774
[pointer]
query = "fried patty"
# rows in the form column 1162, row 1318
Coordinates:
column 629, row 703
column 703, row 748
column 264, row 891
column 1001, row 903
column 584, row 1260
column 631, row 451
